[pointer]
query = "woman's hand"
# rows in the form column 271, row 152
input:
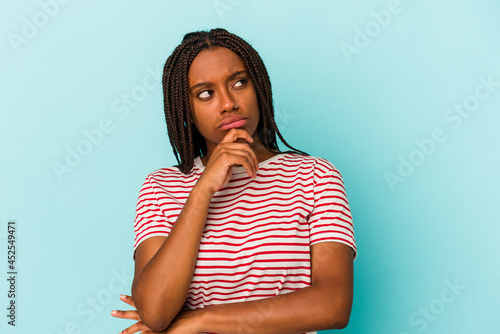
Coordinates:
column 186, row 322
column 227, row 154
column 132, row 315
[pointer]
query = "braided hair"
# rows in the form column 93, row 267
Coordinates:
column 185, row 139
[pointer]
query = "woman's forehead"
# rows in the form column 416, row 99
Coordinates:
column 214, row 62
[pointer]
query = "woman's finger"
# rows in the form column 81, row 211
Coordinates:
column 132, row 315
column 127, row 299
column 233, row 134
column 138, row 327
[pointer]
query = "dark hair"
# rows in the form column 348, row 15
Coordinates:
column 184, row 137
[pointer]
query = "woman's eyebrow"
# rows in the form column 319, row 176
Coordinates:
column 232, row 76
column 235, row 74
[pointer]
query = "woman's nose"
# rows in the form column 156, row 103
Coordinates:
column 226, row 101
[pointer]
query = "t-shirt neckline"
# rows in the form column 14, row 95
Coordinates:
column 198, row 163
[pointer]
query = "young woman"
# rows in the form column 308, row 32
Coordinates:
column 239, row 237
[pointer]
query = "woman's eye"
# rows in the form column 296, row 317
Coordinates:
column 240, row 83
column 205, row 94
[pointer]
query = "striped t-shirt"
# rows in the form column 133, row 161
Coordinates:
column 258, row 233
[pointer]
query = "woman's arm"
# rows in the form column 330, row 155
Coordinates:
column 164, row 266
column 326, row 304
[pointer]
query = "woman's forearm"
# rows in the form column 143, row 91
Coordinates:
column 309, row 309
column 161, row 288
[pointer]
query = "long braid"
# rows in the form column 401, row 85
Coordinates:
column 169, row 101
column 187, row 142
column 190, row 144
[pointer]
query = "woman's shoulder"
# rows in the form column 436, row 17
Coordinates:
column 169, row 180
column 172, row 172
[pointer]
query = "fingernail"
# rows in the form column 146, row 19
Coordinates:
column 114, row 312
column 122, row 296
column 251, row 139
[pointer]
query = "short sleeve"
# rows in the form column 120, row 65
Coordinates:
column 150, row 221
column 330, row 219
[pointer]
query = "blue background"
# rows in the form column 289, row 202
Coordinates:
column 362, row 84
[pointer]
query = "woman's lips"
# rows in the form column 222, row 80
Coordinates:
column 236, row 124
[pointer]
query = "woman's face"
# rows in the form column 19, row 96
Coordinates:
column 218, row 80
